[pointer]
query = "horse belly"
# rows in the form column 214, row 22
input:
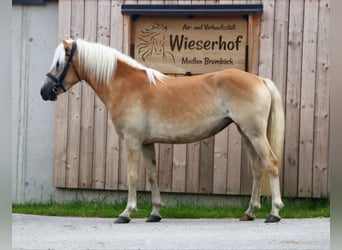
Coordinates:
column 186, row 131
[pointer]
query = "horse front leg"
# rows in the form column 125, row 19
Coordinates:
column 150, row 164
column 133, row 150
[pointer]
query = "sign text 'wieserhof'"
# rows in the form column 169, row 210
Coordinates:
column 177, row 44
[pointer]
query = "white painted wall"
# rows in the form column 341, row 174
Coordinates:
column 34, row 38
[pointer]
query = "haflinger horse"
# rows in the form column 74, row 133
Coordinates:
column 148, row 107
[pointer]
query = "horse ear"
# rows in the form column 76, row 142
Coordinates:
column 67, row 46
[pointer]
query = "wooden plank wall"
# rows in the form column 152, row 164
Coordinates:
column 292, row 50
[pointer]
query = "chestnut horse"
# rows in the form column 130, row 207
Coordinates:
column 148, row 107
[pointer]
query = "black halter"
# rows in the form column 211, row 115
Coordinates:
column 58, row 81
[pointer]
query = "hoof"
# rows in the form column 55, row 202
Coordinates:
column 153, row 218
column 246, row 217
column 272, row 219
column 121, row 220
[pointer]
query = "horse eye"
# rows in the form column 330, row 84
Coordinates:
column 57, row 65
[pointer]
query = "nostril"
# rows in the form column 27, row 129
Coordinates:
column 55, row 90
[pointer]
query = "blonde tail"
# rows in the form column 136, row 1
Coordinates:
column 275, row 127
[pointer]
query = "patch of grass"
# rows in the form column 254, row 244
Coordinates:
column 294, row 208
column 75, row 208
column 305, row 208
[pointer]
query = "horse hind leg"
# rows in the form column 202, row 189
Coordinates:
column 271, row 164
column 277, row 203
column 254, row 204
column 150, row 164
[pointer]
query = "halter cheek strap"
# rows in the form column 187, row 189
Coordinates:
column 58, row 81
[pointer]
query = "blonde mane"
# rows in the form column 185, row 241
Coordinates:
column 101, row 61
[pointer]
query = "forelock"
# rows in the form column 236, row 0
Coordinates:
column 59, row 56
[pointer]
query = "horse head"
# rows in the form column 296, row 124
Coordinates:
column 60, row 78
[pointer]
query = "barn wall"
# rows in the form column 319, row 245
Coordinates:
column 87, row 153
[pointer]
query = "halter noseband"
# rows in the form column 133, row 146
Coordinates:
column 58, row 81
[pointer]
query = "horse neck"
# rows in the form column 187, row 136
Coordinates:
column 112, row 92
column 100, row 88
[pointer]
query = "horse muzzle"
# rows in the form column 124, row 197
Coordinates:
column 50, row 92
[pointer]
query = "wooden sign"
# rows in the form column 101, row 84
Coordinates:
column 177, row 44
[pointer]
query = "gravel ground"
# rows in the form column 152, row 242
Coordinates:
column 68, row 233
